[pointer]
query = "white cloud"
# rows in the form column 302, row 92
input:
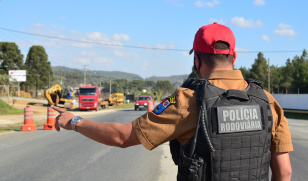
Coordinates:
column 145, row 66
column 84, row 61
column 259, row 23
column 89, row 54
column 126, row 55
column 171, row 46
column 242, row 22
column 168, row 46
column 259, row 2
column 160, row 46
column 58, row 27
column 97, row 36
column 145, row 46
column 119, row 37
column 207, row 4
column 242, row 50
column 220, row 21
column 37, row 25
column 103, row 60
column 284, row 30
column 266, row 38
column 284, row 26
column 185, row 53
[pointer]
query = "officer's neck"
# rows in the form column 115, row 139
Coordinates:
column 205, row 70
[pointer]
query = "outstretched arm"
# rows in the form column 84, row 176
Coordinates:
column 281, row 167
column 113, row 134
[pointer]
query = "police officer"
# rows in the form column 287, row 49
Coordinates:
column 244, row 134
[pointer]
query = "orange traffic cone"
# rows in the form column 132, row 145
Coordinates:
column 51, row 118
column 28, row 120
column 150, row 106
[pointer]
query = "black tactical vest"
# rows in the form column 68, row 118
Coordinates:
column 232, row 138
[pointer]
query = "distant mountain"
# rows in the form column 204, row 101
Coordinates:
column 108, row 74
column 176, row 80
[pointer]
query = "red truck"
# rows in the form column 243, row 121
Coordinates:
column 89, row 98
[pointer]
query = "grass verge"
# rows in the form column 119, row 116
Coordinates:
column 39, row 123
column 125, row 106
column 17, row 126
column 7, row 109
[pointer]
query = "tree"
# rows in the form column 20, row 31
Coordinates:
column 165, row 86
column 259, row 69
column 300, row 76
column 10, row 57
column 286, row 78
column 38, row 68
column 5, row 82
column 245, row 72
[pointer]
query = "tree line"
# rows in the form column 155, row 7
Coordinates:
column 289, row 79
column 38, row 68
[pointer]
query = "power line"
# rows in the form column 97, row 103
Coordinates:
column 90, row 42
column 138, row 47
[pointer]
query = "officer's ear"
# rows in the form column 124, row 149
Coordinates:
column 234, row 57
column 197, row 61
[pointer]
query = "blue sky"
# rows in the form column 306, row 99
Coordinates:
column 162, row 30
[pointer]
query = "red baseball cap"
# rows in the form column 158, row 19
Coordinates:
column 208, row 35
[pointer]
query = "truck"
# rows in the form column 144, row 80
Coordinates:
column 57, row 95
column 116, row 99
column 89, row 98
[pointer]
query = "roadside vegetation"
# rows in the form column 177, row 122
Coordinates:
column 7, row 109
column 124, row 106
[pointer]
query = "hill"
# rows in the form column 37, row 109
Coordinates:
column 97, row 73
column 104, row 76
column 176, row 80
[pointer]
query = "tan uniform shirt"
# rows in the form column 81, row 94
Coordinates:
column 178, row 120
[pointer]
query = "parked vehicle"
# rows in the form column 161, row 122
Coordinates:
column 115, row 99
column 89, row 98
column 57, row 95
column 142, row 102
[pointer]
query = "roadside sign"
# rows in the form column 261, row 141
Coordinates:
column 18, row 75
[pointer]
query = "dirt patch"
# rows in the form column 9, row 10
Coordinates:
column 40, row 108
column 39, row 112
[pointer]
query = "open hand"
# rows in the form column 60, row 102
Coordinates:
column 63, row 119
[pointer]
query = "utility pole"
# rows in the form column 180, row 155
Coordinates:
column 61, row 77
column 110, row 86
column 269, row 77
column 84, row 75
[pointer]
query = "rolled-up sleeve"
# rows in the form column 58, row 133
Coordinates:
column 281, row 140
column 154, row 129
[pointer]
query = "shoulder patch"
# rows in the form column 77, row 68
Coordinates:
column 164, row 104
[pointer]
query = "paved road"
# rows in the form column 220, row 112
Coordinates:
column 299, row 157
column 49, row 155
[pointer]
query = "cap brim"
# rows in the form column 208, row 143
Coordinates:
column 191, row 51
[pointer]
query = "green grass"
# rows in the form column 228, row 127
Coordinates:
column 296, row 116
column 7, row 109
column 125, row 106
column 10, row 128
